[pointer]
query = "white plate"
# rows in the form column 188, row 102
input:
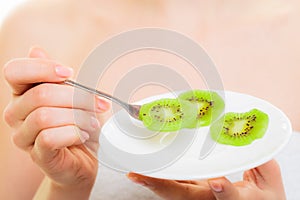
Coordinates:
column 125, row 145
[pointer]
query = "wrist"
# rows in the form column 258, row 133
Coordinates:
column 77, row 191
column 52, row 190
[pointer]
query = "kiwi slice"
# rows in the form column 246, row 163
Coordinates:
column 240, row 129
column 209, row 106
column 166, row 115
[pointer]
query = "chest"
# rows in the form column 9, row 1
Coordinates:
column 247, row 56
column 261, row 59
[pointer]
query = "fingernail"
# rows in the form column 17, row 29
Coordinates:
column 63, row 71
column 84, row 136
column 102, row 105
column 215, row 186
column 95, row 123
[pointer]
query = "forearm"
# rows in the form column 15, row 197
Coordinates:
column 16, row 169
column 49, row 190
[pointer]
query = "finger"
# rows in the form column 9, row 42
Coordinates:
column 191, row 182
column 53, row 95
column 37, row 52
column 170, row 189
column 268, row 175
column 49, row 141
column 22, row 73
column 249, row 176
column 51, row 117
column 223, row 189
column 268, row 170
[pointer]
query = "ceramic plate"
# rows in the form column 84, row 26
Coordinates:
column 125, row 145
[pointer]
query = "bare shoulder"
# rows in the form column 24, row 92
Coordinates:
column 50, row 24
column 27, row 26
column 30, row 24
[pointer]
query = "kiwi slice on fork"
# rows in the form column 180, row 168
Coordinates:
column 240, row 129
column 166, row 115
column 208, row 104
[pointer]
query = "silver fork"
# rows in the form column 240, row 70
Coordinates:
column 133, row 110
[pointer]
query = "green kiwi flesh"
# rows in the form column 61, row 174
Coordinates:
column 208, row 104
column 240, row 129
column 166, row 115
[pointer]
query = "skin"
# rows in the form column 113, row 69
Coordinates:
column 263, row 182
column 68, row 33
column 45, row 127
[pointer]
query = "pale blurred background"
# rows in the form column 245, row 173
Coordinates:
column 6, row 6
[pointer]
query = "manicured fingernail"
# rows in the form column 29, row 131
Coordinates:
column 215, row 186
column 63, row 71
column 84, row 136
column 102, row 105
column 95, row 123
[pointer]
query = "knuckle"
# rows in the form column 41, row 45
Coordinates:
column 43, row 140
column 8, row 116
column 42, row 93
column 33, row 155
column 7, row 71
column 16, row 139
column 41, row 117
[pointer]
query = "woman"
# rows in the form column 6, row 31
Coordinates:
column 70, row 30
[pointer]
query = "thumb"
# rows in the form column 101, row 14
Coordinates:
column 37, row 52
column 223, row 189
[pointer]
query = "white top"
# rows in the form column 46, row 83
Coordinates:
column 114, row 185
column 289, row 160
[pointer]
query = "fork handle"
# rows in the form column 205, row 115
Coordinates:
column 97, row 92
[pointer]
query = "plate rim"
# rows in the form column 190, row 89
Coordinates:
column 258, row 162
